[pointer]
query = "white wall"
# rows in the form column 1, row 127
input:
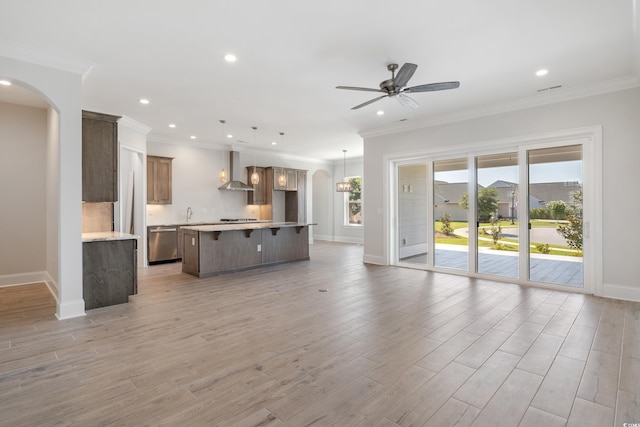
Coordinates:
column 323, row 199
column 617, row 112
column 195, row 184
column 61, row 86
column 23, row 173
column 52, row 201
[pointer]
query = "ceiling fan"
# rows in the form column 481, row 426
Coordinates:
column 396, row 88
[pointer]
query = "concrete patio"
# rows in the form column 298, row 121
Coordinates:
column 556, row 269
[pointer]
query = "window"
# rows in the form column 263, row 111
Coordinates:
column 353, row 202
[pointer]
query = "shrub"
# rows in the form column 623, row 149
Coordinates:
column 446, row 224
column 543, row 248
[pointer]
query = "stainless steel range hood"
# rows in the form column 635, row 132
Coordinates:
column 234, row 183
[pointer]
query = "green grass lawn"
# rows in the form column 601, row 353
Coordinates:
column 486, row 241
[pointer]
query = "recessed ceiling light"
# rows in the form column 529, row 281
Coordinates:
column 5, row 83
column 171, row 125
column 230, row 57
column 144, row 101
column 542, row 72
column 274, row 143
column 192, row 137
column 229, row 136
column 380, row 113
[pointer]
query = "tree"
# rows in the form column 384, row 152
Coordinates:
column 356, row 190
column 487, row 202
column 558, row 209
column 572, row 232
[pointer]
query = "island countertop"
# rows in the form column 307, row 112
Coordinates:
column 243, row 226
column 107, row 235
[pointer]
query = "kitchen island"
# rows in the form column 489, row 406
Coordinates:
column 213, row 249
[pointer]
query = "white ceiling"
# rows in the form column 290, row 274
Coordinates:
column 292, row 54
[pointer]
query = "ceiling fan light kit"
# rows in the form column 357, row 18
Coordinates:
column 395, row 87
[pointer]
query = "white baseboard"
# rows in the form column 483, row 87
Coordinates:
column 627, row 293
column 70, row 309
column 374, row 259
column 340, row 239
column 23, row 278
column 411, row 250
column 53, row 286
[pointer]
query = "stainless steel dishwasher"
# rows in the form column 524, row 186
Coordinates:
column 163, row 243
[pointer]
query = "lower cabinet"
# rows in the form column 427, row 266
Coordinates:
column 109, row 273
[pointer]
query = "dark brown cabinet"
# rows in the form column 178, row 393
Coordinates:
column 99, row 157
column 295, row 202
column 109, row 273
column 159, row 184
column 259, row 195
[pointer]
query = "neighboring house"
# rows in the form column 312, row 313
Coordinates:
column 448, row 195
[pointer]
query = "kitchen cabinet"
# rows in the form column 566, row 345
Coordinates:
column 109, row 273
column 295, row 202
column 159, row 184
column 291, row 179
column 259, row 195
column 99, row 157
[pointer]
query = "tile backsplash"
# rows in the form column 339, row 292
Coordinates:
column 97, row 217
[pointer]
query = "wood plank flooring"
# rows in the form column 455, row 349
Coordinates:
column 383, row 346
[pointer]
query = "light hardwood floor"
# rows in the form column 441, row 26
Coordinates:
column 383, row 346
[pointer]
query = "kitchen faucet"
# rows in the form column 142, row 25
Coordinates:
column 189, row 213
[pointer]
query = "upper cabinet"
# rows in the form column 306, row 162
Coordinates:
column 259, row 194
column 159, row 186
column 99, row 157
column 285, row 179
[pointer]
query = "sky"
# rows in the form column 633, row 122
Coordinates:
column 541, row 172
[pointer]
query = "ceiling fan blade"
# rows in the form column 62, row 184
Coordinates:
column 366, row 89
column 433, row 86
column 405, row 73
column 369, row 102
column 406, row 101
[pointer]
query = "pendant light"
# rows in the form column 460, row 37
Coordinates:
column 223, row 174
column 344, row 186
column 282, row 179
column 255, row 178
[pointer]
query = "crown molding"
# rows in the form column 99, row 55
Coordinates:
column 46, row 59
column 235, row 147
column 134, row 125
column 537, row 100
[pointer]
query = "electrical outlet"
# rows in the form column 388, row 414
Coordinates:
column 404, row 241
column 193, row 241
column 259, row 248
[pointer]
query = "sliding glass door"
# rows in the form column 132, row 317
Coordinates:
column 515, row 214
column 450, row 218
column 412, row 214
column 555, row 215
column 497, row 222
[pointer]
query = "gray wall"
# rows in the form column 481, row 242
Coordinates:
column 616, row 112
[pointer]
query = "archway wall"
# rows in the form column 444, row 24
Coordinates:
column 62, row 88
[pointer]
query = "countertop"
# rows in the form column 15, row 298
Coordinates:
column 103, row 236
column 190, row 224
column 243, row 226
